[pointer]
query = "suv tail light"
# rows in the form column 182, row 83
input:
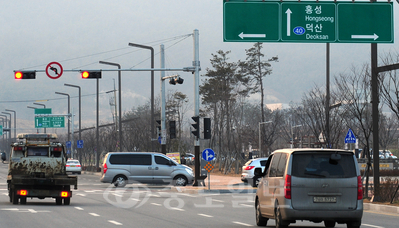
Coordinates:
column 249, row 167
column 359, row 188
column 105, row 168
column 287, row 187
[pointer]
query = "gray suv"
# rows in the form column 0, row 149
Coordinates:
column 319, row 185
column 121, row 168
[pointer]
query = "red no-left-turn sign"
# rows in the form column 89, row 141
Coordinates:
column 54, row 70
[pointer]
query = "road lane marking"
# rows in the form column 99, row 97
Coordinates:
column 156, row 204
column 176, row 208
column 209, row 216
column 94, row 214
column 246, row 205
column 79, row 208
column 220, row 201
column 115, row 222
column 372, row 226
column 244, row 224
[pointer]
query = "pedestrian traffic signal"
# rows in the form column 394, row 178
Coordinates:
column 177, row 80
column 196, row 126
column 25, row 74
column 91, row 74
column 207, row 128
column 172, row 129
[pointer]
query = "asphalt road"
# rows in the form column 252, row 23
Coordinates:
column 95, row 204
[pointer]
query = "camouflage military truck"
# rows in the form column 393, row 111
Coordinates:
column 37, row 170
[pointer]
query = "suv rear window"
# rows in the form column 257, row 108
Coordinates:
column 321, row 165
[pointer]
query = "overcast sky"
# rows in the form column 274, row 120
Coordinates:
column 78, row 34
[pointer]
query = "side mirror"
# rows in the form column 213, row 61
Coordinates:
column 258, row 172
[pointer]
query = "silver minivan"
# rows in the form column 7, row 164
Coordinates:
column 121, row 168
column 319, row 185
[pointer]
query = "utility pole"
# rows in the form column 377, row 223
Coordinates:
column 196, row 65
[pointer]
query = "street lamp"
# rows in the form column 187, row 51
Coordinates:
column 80, row 114
column 152, row 87
column 260, row 142
column 120, row 100
column 37, row 130
column 69, row 107
column 292, row 134
column 15, row 122
column 6, row 125
column 9, row 126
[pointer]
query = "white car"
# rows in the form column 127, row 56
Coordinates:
column 73, row 166
column 248, row 170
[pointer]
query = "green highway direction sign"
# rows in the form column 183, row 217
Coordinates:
column 42, row 111
column 309, row 22
column 50, row 122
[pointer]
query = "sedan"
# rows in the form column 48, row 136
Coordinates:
column 73, row 166
column 248, row 170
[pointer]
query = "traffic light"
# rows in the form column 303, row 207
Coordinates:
column 196, row 126
column 91, row 74
column 177, row 80
column 207, row 128
column 172, row 129
column 25, row 75
column 159, row 132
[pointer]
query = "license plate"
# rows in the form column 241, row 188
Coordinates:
column 324, row 199
column 72, row 166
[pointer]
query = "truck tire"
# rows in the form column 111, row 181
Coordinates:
column 23, row 200
column 14, row 197
column 67, row 201
column 58, row 201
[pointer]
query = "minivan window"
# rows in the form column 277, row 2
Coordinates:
column 120, row 159
column 281, row 165
column 321, row 165
column 130, row 159
column 161, row 160
column 273, row 166
column 141, row 159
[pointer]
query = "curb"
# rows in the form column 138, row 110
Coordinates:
column 380, row 208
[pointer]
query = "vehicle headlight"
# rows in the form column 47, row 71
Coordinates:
column 190, row 171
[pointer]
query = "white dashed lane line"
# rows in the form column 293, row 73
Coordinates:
column 115, row 222
column 94, row 214
column 243, row 224
column 204, row 215
column 79, row 208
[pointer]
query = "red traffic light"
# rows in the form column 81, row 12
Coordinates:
column 85, row 74
column 91, row 74
column 18, row 75
column 25, row 75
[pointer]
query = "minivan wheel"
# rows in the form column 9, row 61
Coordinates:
column 119, row 181
column 279, row 221
column 180, row 181
column 355, row 224
column 329, row 223
column 260, row 220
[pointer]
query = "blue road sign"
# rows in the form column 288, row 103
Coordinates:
column 159, row 139
column 79, row 144
column 350, row 137
column 68, row 144
column 208, row 154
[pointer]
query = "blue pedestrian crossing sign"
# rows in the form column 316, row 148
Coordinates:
column 350, row 137
column 208, row 154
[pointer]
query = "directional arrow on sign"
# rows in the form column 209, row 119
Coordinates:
column 242, row 35
column 374, row 37
column 288, row 12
